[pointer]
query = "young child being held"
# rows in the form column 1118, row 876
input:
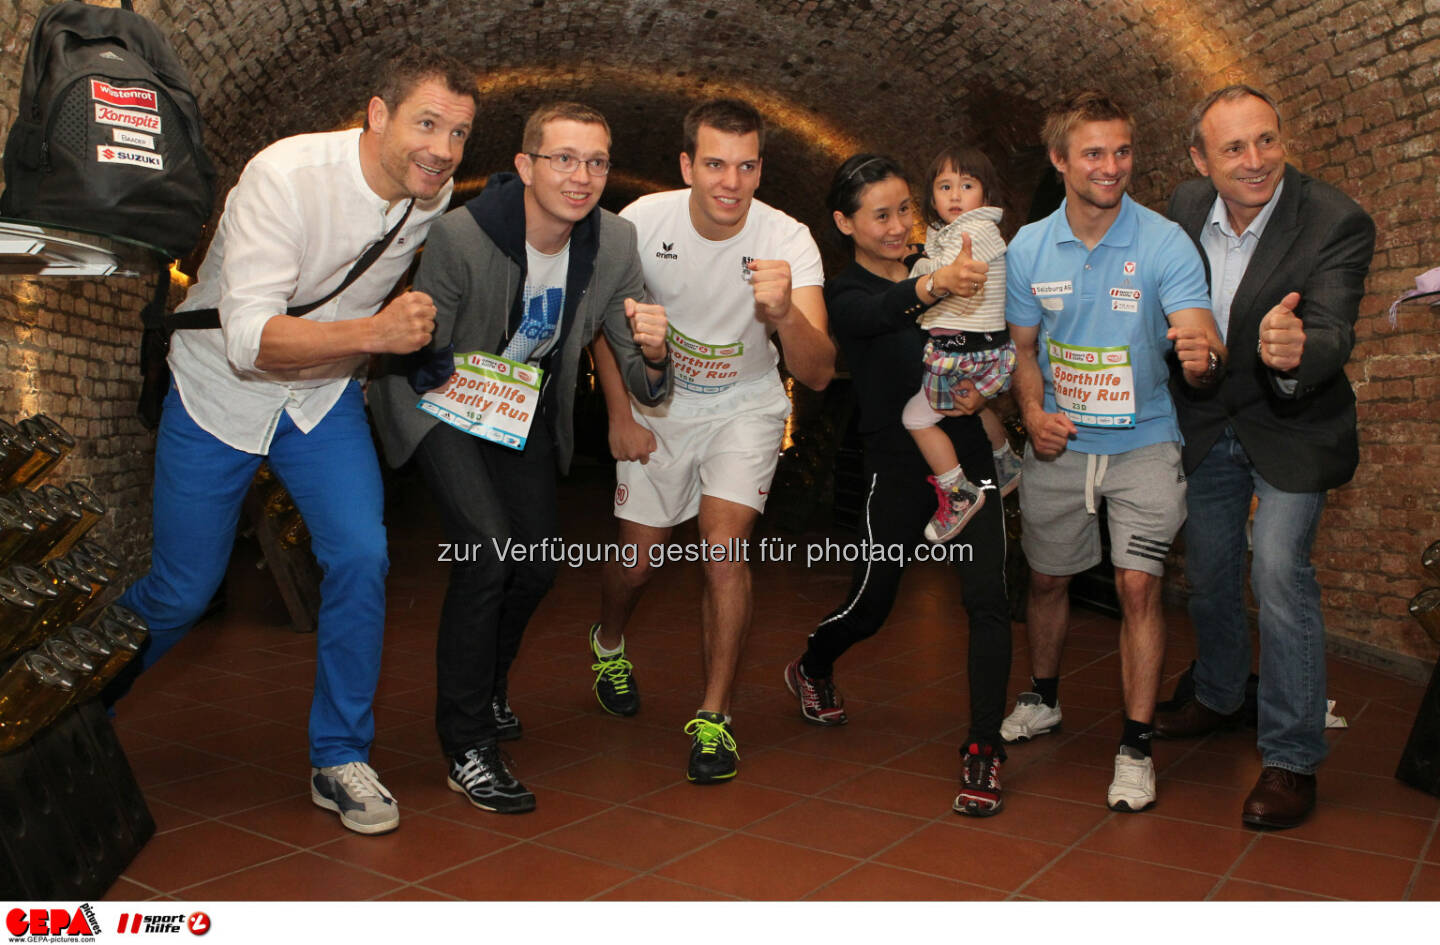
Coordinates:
column 968, row 339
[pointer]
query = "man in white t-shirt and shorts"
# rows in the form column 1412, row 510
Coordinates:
column 730, row 272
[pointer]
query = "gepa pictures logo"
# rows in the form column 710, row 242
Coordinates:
column 51, row 923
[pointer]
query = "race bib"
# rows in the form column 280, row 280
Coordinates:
column 701, row 367
column 488, row 396
column 1094, row 387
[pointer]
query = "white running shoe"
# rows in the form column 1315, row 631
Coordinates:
column 1133, row 789
column 1031, row 718
column 354, row 792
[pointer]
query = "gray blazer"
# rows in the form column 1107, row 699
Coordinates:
column 474, row 284
column 1318, row 243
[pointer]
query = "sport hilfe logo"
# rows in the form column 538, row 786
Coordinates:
column 197, row 923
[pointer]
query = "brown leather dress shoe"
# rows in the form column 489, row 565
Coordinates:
column 1192, row 719
column 1280, row 799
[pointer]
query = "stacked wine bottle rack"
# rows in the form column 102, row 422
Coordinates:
column 71, row 815
column 57, row 646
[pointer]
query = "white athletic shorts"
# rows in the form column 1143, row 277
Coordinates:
column 722, row 445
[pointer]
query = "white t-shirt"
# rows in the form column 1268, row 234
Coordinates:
column 716, row 340
column 542, row 303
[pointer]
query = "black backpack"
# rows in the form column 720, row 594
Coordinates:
column 108, row 136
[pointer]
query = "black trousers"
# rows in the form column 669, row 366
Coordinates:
column 898, row 504
column 488, row 495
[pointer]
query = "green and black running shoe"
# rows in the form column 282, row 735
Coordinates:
column 614, row 679
column 712, row 753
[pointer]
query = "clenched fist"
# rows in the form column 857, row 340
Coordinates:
column 770, row 278
column 647, row 327
column 1049, row 433
column 1282, row 335
column 1192, row 347
column 405, row 325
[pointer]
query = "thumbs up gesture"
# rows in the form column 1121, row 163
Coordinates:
column 965, row 275
column 647, row 327
column 1282, row 335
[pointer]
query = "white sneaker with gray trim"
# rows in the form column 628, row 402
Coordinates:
column 354, row 792
column 1031, row 718
column 1133, row 789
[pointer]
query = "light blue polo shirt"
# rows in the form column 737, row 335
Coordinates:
column 1103, row 314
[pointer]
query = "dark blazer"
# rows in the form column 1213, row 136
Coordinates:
column 1318, row 243
column 474, row 269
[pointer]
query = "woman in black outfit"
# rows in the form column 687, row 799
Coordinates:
column 873, row 305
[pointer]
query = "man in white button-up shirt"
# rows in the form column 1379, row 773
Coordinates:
column 1287, row 256
column 265, row 384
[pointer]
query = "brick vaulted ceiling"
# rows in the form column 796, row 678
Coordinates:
column 833, row 76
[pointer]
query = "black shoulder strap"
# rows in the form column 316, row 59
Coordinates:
column 210, row 317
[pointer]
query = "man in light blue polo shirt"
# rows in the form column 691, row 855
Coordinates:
column 1098, row 295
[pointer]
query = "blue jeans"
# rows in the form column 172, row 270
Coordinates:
column 334, row 478
column 1292, row 630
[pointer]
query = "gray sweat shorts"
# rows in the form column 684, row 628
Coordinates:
column 1144, row 493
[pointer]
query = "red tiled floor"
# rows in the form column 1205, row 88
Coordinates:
column 528, row 871
column 608, row 779
column 950, row 850
column 725, row 805
column 217, row 738
column 897, row 791
column 796, row 771
column 871, row 881
column 1173, row 843
column 1085, row 875
column 233, row 789
column 1238, row 890
column 655, row 889
column 1370, row 830
column 1345, row 874
column 1040, row 818
column 299, row 877
column 1427, row 884
column 420, row 847
column 729, row 866
column 631, row 838
column 199, row 852
column 836, row 828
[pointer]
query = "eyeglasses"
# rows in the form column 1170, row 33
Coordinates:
column 566, row 163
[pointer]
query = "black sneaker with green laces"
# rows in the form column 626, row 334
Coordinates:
column 712, row 752
column 614, row 679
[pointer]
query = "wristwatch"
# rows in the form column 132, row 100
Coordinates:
column 933, row 292
column 1212, row 368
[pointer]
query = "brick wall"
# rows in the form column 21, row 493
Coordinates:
column 68, row 348
column 1357, row 82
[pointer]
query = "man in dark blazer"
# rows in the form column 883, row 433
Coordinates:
column 531, row 269
column 1287, row 258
